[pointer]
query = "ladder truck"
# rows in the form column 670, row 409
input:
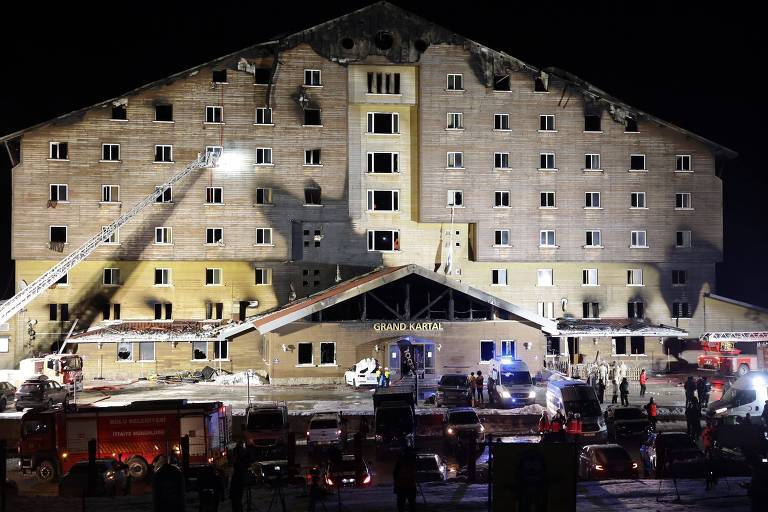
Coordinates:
column 734, row 353
column 42, row 283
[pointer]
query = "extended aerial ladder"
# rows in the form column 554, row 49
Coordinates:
column 42, row 283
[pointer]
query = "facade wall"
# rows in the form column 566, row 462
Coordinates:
column 11, row 343
column 725, row 316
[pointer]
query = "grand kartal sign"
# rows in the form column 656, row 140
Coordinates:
column 408, row 326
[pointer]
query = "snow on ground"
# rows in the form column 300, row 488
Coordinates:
column 236, row 379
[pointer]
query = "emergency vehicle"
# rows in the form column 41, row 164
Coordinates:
column 66, row 369
column 51, row 442
column 734, row 353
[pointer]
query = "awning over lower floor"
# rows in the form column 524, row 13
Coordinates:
column 616, row 327
column 176, row 330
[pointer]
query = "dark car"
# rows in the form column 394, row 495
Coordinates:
column 453, row 389
column 682, row 457
column 430, row 468
column 40, row 392
column 605, row 461
column 342, row 473
column 112, row 479
column 7, row 394
column 626, row 422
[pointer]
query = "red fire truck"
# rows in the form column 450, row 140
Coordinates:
column 734, row 353
column 52, row 441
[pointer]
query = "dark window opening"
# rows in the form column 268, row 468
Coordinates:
column 261, row 76
column 680, row 310
column 312, row 117
column 53, row 310
column 621, row 345
column 487, row 350
column 312, row 196
column 119, row 113
column 631, row 126
column 592, row 123
column 383, row 162
column 635, row 309
column 637, row 162
column 553, row 345
column 305, row 353
column 637, row 345
column 219, row 76
column 116, row 311
column 163, row 112
column 679, row 277
column 383, row 240
column 105, row 311
column 59, row 234
column 590, row 309
column 383, row 40
column 383, row 83
column 64, row 312
column 214, row 310
column 539, row 85
column 501, row 82
column 59, row 151
column 200, row 350
column 327, row 351
column 161, row 309
column 379, row 122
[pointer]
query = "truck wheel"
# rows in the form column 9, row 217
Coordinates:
column 138, row 468
column 743, row 369
column 46, row 471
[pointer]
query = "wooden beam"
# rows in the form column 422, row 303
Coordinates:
column 407, row 301
column 386, row 306
column 432, row 303
column 451, row 306
column 364, row 316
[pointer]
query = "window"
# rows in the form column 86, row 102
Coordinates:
column 547, row 200
column 124, row 351
column 680, row 310
column 487, row 350
column 59, row 151
column 312, row 196
column 546, row 123
column 110, row 152
column 114, row 239
column 163, row 153
column 682, row 239
column 214, row 151
column 163, row 235
column 166, row 196
column 635, row 309
column 214, row 195
column 637, row 200
column 547, row 238
column 635, row 277
column 544, row 277
column 112, row 277
column 638, row 239
column 263, row 275
column 455, row 121
column 58, row 312
column 592, row 162
column 57, row 234
column 263, row 196
column 631, row 125
column 263, row 115
column 547, row 161
column 679, row 277
column 214, row 236
column 455, row 82
column 540, row 85
column 546, row 309
column 200, row 350
column 592, row 200
column 383, row 83
column 456, row 198
column 214, row 310
column 221, row 350
column 455, row 160
column 501, row 238
column 312, row 157
column 312, row 117
column 637, row 343
column 501, row 160
column 4, row 345
column 63, row 280
column 383, row 240
column 590, row 309
column 304, row 355
column 683, row 201
column 619, row 346
column 312, row 77
column 146, row 351
column 682, row 163
column 592, row 123
column 263, row 236
column 499, row 277
column 501, row 199
column 262, row 76
column 162, row 277
column 508, row 348
column 110, row 310
column 58, row 193
column 501, row 82
column 589, row 277
column 637, row 163
column 163, row 311
column 328, row 353
column 219, row 76
column 593, row 238
column 383, row 122
column 383, row 163
column 383, row 200
column 110, row 193
column 164, row 113
column 501, row 122
column 263, row 156
column 119, row 113
column 214, row 114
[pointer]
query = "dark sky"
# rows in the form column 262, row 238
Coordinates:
column 691, row 64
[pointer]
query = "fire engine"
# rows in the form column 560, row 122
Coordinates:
column 734, row 353
column 139, row 433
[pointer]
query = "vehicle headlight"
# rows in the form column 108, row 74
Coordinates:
column 482, row 428
column 450, row 431
column 532, row 394
column 721, row 410
column 505, row 394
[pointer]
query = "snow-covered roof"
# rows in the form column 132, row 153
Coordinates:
column 616, row 327
column 176, row 330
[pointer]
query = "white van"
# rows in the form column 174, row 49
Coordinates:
column 577, row 396
column 512, row 384
column 747, row 395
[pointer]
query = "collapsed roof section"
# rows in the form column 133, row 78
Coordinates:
column 177, row 330
column 617, row 327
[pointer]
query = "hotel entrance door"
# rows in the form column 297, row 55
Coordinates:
column 405, row 356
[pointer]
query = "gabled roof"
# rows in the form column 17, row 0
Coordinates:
column 415, row 34
column 358, row 285
column 735, row 302
column 616, row 327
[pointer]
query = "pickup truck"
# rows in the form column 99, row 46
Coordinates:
column 395, row 416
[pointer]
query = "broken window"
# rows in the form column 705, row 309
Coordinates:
column 146, row 351
column 682, row 239
column 219, row 76
column 263, row 115
column 631, row 126
column 635, row 309
column 263, row 236
column 163, row 235
column 214, row 195
column 304, row 355
column 58, row 234
column 263, row 276
column 637, row 343
column 620, row 345
column 547, row 161
column 119, row 113
column 501, row 199
column 110, row 193
column 501, row 161
column 679, row 277
column 546, row 123
column 455, row 82
column 263, row 196
column 592, row 238
column 501, row 237
column 383, row 240
column 112, row 276
column 263, row 156
column 383, row 200
column 637, row 163
column 499, row 276
column 680, row 310
column 124, row 351
column 199, row 350
column 383, row 163
column 59, row 151
column 214, row 114
column 312, row 117
column 261, row 76
column 383, row 122
column 383, row 83
column 539, row 85
column 214, row 310
column 163, row 311
column 110, row 152
column 221, row 350
column 455, row 160
column 164, row 153
column 547, row 200
column 327, row 352
column 162, row 277
column 312, row 195
column 312, row 77
column 456, row 198
column 592, row 123
column 501, row 82
column 487, row 350
column 58, row 193
column 312, row 157
column 164, row 113
column 214, row 151
column 110, row 310
column 214, row 236
column 501, row 122
column 166, row 196
column 590, row 309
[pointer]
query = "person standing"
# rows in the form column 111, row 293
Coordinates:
column 544, row 424
column 693, row 419
column 601, row 390
column 386, row 377
column 702, row 390
column 650, row 408
column 615, row 391
column 404, row 479
column 764, row 416
column 624, row 390
column 643, row 380
column 472, row 385
column 378, row 376
column 690, row 389
column 479, row 381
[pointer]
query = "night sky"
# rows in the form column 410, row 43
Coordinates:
column 696, row 66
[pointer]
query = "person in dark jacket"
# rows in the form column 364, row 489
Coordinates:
column 693, row 419
column 702, row 389
column 764, row 416
column 404, row 480
column 690, row 389
column 601, row 390
column 624, row 391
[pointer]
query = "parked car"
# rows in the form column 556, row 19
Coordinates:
column 362, row 373
column 112, row 479
column 605, row 461
column 430, row 468
column 7, row 394
column 683, row 457
column 267, row 472
column 342, row 473
column 460, row 420
column 626, row 422
column 40, row 392
column 324, row 430
column 453, row 389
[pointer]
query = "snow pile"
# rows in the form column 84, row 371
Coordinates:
column 236, row 379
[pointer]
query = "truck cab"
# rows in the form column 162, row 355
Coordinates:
column 266, row 428
column 511, row 385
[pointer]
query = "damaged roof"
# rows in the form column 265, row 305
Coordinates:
column 353, row 37
column 176, row 330
column 616, row 327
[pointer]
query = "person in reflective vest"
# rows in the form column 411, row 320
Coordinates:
column 544, row 424
column 556, row 425
column 386, row 377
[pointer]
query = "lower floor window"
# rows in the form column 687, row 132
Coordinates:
column 199, row 350
column 328, row 352
column 487, row 350
column 553, row 346
column 305, row 353
column 508, row 348
column 637, row 344
column 221, row 349
column 124, row 351
column 147, row 351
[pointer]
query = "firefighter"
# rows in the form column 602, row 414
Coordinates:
column 378, row 376
column 544, row 425
column 556, row 426
column 386, row 377
column 650, row 408
column 643, row 381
